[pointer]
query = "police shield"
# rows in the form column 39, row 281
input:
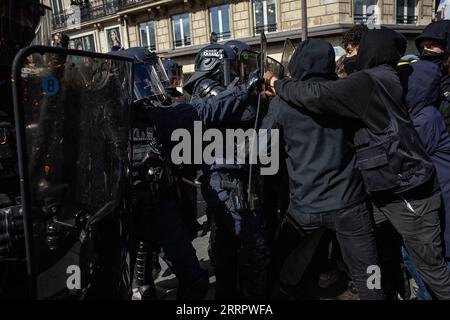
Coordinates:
column 72, row 111
column 267, row 63
column 263, row 53
column 286, row 56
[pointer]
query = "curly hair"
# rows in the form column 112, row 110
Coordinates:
column 354, row 35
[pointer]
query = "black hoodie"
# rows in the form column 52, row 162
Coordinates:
column 374, row 98
column 320, row 155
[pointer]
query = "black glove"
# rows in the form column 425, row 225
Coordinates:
column 254, row 81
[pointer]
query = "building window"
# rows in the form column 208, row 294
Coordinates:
column 58, row 14
column 265, row 15
column 111, row 6
column 220, row 21
column 57, row 6
column 86, row 43
column 406, row 11
column 181, row 32
column 364, row 9
column 114, row 38
column 147, row 34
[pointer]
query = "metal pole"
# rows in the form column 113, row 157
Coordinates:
column 304, row 21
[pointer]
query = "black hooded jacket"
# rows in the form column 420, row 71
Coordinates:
column 390, row 155
column 438, row 31
column 320, row 155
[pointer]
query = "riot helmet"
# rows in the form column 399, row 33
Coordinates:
column 216, row 62
column 22, row 22
column 174, row 71
column 248, row 59
column 150, row 78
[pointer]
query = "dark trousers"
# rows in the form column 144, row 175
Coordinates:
column 416, row 217
column 238, row 241
column 240, row 259
column 159, row 221
column 393, row 277
column 354, row 232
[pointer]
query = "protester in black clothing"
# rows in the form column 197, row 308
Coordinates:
column 432, row 45
column 326, row 189
column 350, row 42
column 393, row 162
column 433, row 41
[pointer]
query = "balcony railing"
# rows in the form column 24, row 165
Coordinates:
column 266, row 28
column 361, row 17
column 408, row 19
column 223, row 35
column 400, row 19
column 95, row 9
column 151, row 47
column 182, row 43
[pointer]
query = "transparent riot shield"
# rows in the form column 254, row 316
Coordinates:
column 268, row 63
column 288, row 51
column 263, row 54
column 72, row 112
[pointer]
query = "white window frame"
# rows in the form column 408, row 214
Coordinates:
column 81, row 35
column 265, row 17
column 181, row 30
column 220, row 20
column 60, row 6
column 148, row 32
column 405, row 11
column 364, row 15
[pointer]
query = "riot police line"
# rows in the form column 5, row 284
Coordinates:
column 90, row 181
column 83, row 203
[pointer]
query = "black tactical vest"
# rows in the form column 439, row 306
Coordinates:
column 394, row 158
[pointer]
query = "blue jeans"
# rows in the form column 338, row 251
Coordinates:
column 422, row 292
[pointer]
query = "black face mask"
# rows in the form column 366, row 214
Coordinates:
column 350, row 65
column 432, row 56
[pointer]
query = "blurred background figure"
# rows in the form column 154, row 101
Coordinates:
column 175, row 73
column 60, row 40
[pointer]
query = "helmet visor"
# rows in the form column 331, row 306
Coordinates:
column 249, row 63
column 147, row 84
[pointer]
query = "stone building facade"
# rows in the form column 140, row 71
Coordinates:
column 179, row 28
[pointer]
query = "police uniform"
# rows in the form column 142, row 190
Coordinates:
column 238, row 246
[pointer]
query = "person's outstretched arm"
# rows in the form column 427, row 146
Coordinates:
column 347, row 97
column 222, row 107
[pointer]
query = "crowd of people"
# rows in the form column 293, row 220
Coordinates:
column 364, row 171
column 367, row 157
column 393, row 161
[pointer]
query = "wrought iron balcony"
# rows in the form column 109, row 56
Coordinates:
column 361, row 18
column 182, row 43
column 266, row 28
column 221, row 36
column 400, row 19
column 406, row 19
column 96, row 9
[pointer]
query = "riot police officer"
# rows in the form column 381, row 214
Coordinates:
column 18, row 20
column 238, row 247
column 186, row 174
column 161, row 205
